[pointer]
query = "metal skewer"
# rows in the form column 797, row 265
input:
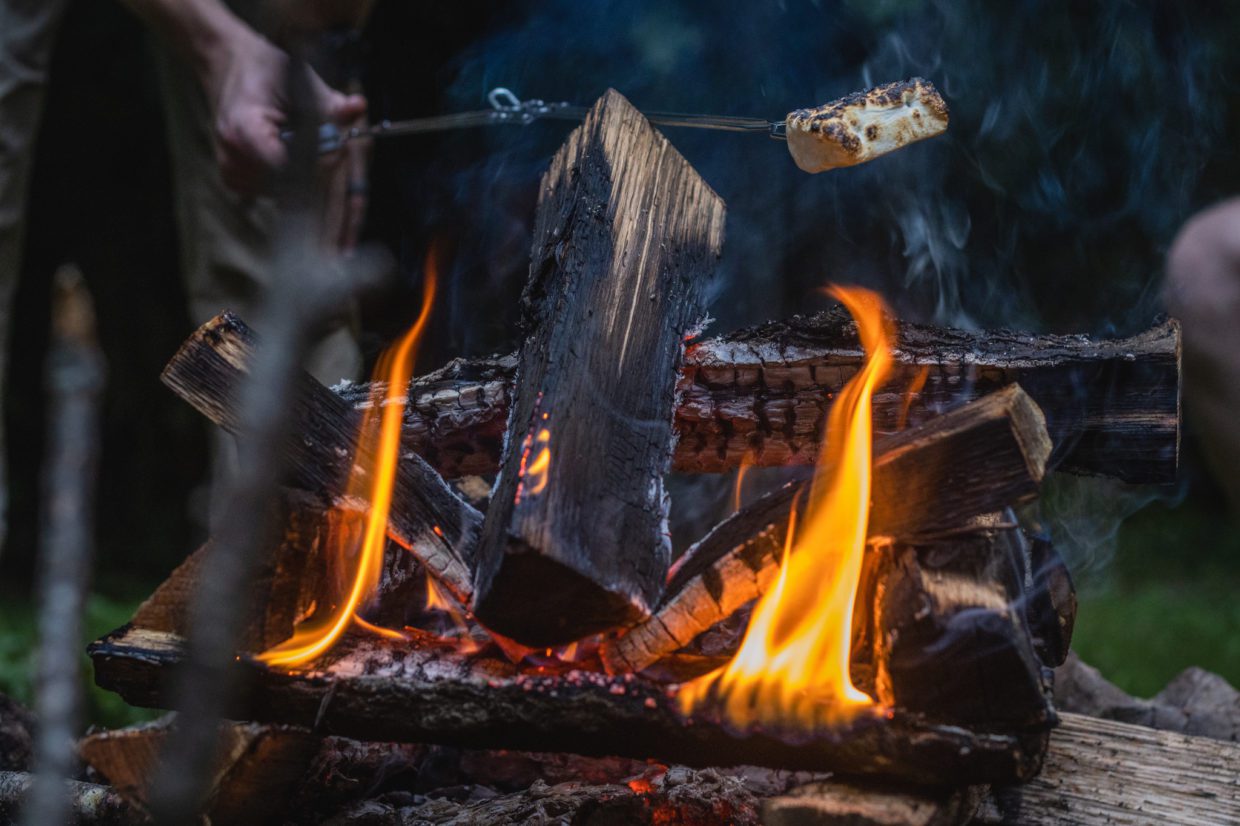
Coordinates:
column 507, row 108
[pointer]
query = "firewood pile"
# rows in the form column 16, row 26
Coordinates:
column 534, row 633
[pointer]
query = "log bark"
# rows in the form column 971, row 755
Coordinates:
column 89, row 803
column 424, row 691
column 626, row 233
column 1104, row 772
column 1112, row 405
column 979, row 458
column 427, row 517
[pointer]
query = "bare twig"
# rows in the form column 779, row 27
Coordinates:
column 303, row 292
column 75, row 376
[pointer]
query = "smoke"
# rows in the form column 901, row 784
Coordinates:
column 1082, row 136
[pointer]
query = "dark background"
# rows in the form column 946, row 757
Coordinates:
column 1082, row 136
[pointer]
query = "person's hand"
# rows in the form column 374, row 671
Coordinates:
column 246, row 86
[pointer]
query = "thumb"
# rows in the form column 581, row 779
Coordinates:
column 344, row 109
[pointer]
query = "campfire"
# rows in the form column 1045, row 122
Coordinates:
column 890, row 621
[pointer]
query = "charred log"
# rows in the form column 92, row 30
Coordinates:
column 979, row 458
column 950, row 636
column 625, row 235
column 1112, row 405
column 427, row 517
column 425, row 691
column 1051, row 606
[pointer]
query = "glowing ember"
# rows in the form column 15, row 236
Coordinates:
column 793, row 665
column 374, row 483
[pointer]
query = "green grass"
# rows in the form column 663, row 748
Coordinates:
column 17, row 646
column 1166, row 601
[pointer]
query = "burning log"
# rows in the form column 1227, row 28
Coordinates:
column 427, row 517
column 950, row 636
column 984, row 456
column 1112, row 405
column 575, row 539
column 1104, row 772
column 425, row 691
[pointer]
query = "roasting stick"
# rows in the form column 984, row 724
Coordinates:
column 854, row 129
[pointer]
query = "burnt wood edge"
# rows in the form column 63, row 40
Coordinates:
column 427, row 516
column 761, row 394
column 454, row 702
column 623, row 222
column 979, row 458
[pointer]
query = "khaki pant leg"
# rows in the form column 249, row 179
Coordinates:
column 27, row 30
column 225, row 249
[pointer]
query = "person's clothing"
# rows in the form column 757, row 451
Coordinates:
column 27, row 31
column 224, row 239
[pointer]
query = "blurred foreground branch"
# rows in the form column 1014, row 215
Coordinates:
column 75, row 377
column 307, row 285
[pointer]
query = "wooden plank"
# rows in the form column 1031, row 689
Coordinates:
column 575, row 539
column 1105, row 772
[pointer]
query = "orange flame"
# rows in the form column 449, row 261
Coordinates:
column 793, row 665
column 373, row 482
column 748, row 460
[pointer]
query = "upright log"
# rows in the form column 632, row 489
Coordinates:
column 979, row 458
column 575, row 538
column 426, row 516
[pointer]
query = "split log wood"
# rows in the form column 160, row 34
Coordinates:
column 1104, row 772
column 89, row 803
column 426, row 516
column 252, row 775
column 842, row 803
column 984, row 456
column 950, row 638
column 626, row 233
column 424, row 691
column 1112, row 405
column 293, row 579
column 1051, row 605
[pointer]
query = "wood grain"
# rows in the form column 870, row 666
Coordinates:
column 626, row 234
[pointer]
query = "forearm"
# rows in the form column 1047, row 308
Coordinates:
column 204, row 32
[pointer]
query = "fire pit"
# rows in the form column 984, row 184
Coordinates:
column 890, row 622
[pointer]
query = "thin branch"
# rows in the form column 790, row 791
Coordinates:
column 303, row 293
column 75, row 378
